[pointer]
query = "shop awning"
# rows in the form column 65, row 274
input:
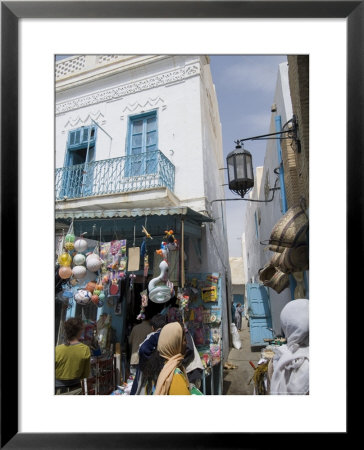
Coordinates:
column 123, row 220
column 138, row 212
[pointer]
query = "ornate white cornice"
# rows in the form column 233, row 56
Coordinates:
column 150, row 103
column 129, row 88
column 72, row 122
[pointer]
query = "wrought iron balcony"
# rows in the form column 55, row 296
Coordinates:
column 115, row 175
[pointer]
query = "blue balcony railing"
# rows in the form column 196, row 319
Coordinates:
column 115, row 175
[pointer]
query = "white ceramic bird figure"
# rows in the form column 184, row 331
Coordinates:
column 160, row 293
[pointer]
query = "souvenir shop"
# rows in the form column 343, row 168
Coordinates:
column 113, row 271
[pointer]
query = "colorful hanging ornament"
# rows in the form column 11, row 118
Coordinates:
column 93, row 262
column 83, row 297
column 79, row 272
column 171, row 242
column 146, row 233
column 95, row 299
column 65, row 272
column 65, row 259
column 81, row 245
column 90, row 286
column 70, row 237
column 79, row 259
column 163, row 251
column 114, row 287
column 69, row 246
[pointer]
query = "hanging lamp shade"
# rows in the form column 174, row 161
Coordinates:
column 240, row 171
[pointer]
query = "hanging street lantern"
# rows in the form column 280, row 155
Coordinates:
column 240, row 170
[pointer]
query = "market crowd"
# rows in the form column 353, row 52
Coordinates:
column 164, row 359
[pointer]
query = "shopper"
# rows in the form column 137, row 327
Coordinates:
column 137, row 336
column 172, row 379
column 238, row 316
column 72, row 359
column 144, row 384
column 192, row 362
column 291, row 361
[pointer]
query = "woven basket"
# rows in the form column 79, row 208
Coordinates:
column 294, row 259
column 290, row 229
column 266, row 273
column 278, row 281
column 276, row 248
column 275, row 259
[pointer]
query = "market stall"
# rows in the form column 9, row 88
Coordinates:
column 111, row 280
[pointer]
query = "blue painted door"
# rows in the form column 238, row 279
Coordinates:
column 260, row 319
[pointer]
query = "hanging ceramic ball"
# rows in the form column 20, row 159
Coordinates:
column 64, row 259
column 99, row 287
column 102, row 296
column 70, row 237
column 93, row 263
column 95, row 299
column 81, row 245
column 65, row 272
column 69, row 246
column 90, row 286
column 97, row 292
column 83, row 297
column 79, row 259
column 79, row 272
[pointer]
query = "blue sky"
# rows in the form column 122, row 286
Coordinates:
column 245, row 88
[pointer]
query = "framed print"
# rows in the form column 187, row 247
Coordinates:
column 25, row 256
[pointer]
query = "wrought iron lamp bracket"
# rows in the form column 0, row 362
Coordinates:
column 292, row 133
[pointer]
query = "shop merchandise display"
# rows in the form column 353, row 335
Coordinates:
column 159, row 290
column 94, row 273
column 201, row 312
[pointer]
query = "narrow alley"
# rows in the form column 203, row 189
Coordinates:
column 236, row 381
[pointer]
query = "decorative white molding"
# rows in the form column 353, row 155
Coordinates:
column 129, row 88
column 73, row 122
column 151, row 103
column 70, row 66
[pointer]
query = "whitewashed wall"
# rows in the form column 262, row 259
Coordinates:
column 255, row 254
column 178, row 108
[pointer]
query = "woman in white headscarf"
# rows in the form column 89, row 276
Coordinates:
column 291, row 361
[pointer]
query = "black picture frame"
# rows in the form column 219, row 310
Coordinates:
column 11, row 12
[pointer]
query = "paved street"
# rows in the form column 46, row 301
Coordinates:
column 236, row 380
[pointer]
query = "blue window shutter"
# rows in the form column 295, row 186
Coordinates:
column 143, row 141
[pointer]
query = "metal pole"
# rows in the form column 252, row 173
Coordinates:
column 182, row 254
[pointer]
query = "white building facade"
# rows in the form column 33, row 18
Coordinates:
column 138, row 140
column 260, row 218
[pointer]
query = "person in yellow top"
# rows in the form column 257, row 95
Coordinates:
column 172, row 379
column 72, row 359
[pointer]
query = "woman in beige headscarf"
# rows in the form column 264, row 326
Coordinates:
column 172, row 379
